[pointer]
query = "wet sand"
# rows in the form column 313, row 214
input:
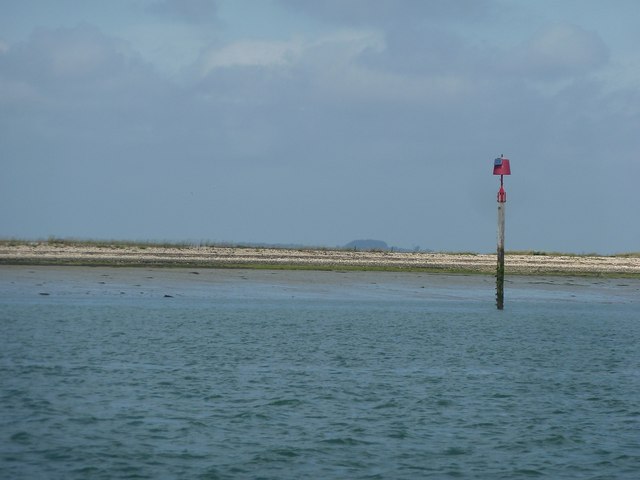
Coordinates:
column 248, row 257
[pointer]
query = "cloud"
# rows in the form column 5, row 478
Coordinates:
column 339, row 47
column 422, row 38
column 78, row 71
column 67, row 55
column 391, row 12
column 250, row 53
column 562, row 50
column 76, row 88
column 352, row 65
column 192, row 11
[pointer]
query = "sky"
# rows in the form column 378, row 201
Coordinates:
column 318, row 122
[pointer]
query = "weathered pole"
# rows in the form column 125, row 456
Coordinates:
column 501, row 167
column 500, row 268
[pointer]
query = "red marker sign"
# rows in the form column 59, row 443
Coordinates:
column 501, row 167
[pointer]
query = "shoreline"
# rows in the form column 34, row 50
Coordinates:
column 148, row 255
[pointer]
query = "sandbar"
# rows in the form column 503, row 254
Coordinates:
column 47, row 253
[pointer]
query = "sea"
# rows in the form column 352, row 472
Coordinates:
column 166, row 373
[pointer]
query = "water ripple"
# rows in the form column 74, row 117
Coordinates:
column 239, row 384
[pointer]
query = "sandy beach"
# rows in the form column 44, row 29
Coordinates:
column 45, row 253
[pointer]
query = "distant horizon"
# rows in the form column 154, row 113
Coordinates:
column 284, row 245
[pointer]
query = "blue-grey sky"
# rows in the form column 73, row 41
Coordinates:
column 318, row 122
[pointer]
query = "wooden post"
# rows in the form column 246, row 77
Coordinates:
column 500, row 268
column 501, row 166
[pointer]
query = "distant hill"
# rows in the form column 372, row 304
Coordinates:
column 367, row 245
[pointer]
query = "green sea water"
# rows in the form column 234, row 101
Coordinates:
column 171, row 373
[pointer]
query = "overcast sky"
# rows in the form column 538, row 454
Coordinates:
column 320, row 122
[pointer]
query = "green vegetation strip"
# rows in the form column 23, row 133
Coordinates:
column 100, row 262
column 84, row 262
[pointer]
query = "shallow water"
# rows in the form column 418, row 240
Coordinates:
column 163, row 373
